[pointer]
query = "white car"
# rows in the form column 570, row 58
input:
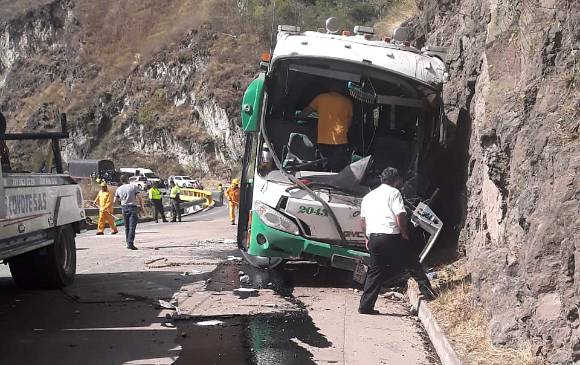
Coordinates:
column 140, row 181
column 185, row 182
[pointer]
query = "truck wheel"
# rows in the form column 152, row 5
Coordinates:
column 50, row 267
column 262, row 262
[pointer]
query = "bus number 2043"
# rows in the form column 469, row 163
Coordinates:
column 312, row 211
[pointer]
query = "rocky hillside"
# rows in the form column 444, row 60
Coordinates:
column 514, row 100
column 142, row 82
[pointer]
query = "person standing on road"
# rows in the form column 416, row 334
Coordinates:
column 156, row 200
column 220, row 190
column 175, row 196
column 104, row 200
column 384, row 221
column 131, row 202
column 233, row 197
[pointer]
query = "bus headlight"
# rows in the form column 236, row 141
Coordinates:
column 274, row 219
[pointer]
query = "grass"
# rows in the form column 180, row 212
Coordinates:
column 467, row 324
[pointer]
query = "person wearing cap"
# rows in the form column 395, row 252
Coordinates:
column 233, row 197
column 104, row 200
column 335, row 111
column 131, row 201
column 175, row 196
column 155, row 197
column 384, row 221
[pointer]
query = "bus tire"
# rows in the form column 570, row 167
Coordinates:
column 262, row 262
column 51, row 267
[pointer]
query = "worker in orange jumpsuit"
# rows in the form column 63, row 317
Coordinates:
column 233, row 197
column 105, row 201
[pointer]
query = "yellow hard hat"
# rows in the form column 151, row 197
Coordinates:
column 236, row 182
column 103, row 184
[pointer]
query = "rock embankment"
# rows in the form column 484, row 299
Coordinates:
column 514, row 101
column 137, row 89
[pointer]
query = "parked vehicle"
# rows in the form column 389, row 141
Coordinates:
column 40, row 214
column 90, row 169
column 291, row 206
column 150, row 176
column 186, row 182
column 140, row 181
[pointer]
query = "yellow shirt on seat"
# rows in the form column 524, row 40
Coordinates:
column 334, row 117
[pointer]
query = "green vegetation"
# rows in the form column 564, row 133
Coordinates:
column 245, row 16
column 154, row 108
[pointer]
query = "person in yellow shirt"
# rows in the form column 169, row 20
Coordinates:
column 233, row 197
column 104, row 200
column 157, row 202
column 335, row 112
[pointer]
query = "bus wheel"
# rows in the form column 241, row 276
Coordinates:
column 50, row 267
column 262, row 262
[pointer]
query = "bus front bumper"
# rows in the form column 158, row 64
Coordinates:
column 269, row 242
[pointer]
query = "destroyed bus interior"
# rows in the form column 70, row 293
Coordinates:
column 395, row 123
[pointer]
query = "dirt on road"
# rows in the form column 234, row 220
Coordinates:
column 172, row 301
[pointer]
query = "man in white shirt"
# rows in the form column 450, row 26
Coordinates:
column 131, row 201
column 384, row 221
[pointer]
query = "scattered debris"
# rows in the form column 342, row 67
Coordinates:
column 234, row 258
column 393, row 295
column 166, row 305
column 155, row 260
column 213, row 322
column 271, row 305
column 244, row 293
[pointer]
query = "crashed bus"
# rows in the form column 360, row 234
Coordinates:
column 291, row 206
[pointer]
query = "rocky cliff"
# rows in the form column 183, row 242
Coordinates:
column 137, row 80
column 514, row 101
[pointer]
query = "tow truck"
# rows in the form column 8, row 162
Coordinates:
column 291, row 206
column 40, row 215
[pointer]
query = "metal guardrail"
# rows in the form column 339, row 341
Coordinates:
column 192, row 194
column 166, row 204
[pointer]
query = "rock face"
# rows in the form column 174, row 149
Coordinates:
column 165, row 109
column 513, row 97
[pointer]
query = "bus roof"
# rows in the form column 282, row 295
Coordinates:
column 396, row 58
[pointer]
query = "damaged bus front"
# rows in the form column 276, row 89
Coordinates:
column 291, row 205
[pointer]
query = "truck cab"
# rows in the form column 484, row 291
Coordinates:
column 292, row 204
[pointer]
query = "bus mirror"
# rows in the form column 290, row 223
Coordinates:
column 252, row 104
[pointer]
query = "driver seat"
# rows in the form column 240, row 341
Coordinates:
column 300, row 151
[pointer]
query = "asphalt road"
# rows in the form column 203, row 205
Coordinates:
column 111, row 313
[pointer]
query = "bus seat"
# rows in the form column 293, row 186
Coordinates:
column 299, row 150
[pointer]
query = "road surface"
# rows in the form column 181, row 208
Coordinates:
column 111, row 314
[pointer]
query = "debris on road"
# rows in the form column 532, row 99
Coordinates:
column 244, row 293
column 149, row 262
column 166, row 305
column 213, row 322
column 393, row 295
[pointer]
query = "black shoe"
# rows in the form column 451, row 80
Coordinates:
column 100, row 233
column 132, row 247
column 368, row 311
column 173, row 221
column 165, row 221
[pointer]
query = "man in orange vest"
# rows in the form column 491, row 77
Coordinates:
column 105, row 201
column 233, row 197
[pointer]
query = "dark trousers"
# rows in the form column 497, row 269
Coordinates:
column 130, row 217
column 336, row 156
column 384, row 262
column 175, row 210
column 390, row 256
column 158, row 208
